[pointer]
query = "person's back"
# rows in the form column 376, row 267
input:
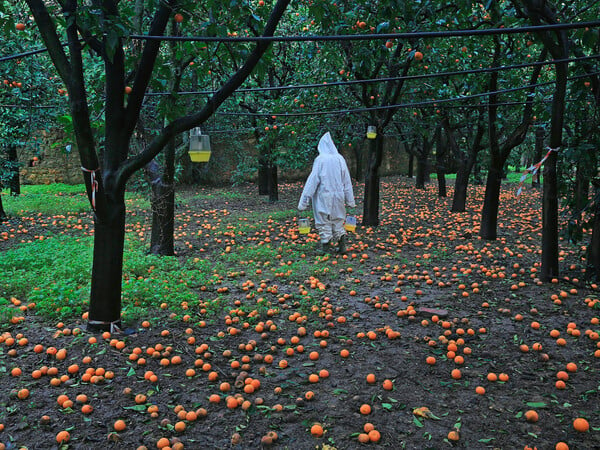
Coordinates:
column 329, row 187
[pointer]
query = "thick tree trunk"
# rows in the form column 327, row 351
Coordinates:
column 371, row 203
column 107, row 266
column 14, row 183
column 491, row 202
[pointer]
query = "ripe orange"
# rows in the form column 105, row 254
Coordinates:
column 531, row 416
column 480, row 390
column 63, row 437
column 316, row 430
column 365, row 409
column 418, row 56
column 23, row 393
column 162, row 443
column 371, row 378
column 20, row 26
column 178, row 18
column 456, row 374
column 453, row 436
column 571, row 367
column 119, row 425
column 580, row 424
column 374, row 436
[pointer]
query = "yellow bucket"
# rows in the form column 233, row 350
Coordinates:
column 304, row 226
column 199, row 155
column 350, row 224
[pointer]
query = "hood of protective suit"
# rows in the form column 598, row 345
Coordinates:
column 326, row 145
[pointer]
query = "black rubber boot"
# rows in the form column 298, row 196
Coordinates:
column 322, row 248
column 342, row 244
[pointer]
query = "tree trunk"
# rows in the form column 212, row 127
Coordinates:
column 371, row 203
column 459, row 201
column 3, row 215
column 549, row 269
column 358, row 156
column 491, row 203
column 440, row 161
column 442, row 191
column 421, row 171
column 539, row 149
column 107, row 266
column 263, row 174
column 550, row 220
column 477, row 179
column 411, row 160
column 163, row 204
column 592, row 270
column 272, row 183
column 580, row 200
column 14, row 183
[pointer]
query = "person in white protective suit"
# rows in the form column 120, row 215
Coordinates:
column 329, row 187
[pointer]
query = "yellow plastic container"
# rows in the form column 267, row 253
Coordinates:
column 199, row 155
column 304, row 226
column 350, row 224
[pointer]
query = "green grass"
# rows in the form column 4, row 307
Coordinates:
column 58, row 198
column 51, row 199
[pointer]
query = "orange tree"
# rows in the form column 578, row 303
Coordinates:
column 28, row 90
column 103, row 28
column 365, row 60
column 557, row 44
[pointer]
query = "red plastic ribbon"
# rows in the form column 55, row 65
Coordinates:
column 534, row 169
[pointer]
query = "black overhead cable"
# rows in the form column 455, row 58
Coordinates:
column 367, row 37
column 385, row 79
column 398, row 106
column 351, row 37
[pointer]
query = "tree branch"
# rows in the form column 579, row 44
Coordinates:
column 187, row 122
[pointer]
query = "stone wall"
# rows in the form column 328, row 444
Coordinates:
column 47, row 162
column 51, row 163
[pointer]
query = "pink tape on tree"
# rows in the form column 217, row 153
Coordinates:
column 93, row 183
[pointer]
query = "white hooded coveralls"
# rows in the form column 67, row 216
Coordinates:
column 329, row 187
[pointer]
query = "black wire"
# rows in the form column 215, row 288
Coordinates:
column 365, row 37
column 350, row 37
column 401, row 105
column 29, row 53
column 385, row 79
